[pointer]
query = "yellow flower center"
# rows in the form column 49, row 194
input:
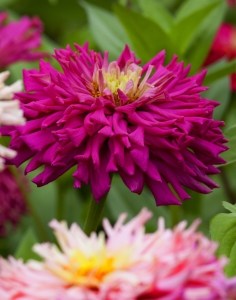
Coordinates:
column 129, row 81
column 90, row 270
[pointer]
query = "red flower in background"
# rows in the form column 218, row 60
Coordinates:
column 19, row 40
column 231, row 2
column 224, row 46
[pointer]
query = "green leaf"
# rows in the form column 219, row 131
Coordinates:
column 53, row 2
column 229, row 206
column 156, row 12
column 106, row 29
column 220, row 224
column 223, row 230
column 231, row 267
column 81, row 35
column 48, row 45
column 191, row 8
column 16, row 69
column 231, row 131
column 219, row 90
column 189, row 21
column 220, row 70
column 146, row 36
column 230, row 154
column 24, row 250
column 231, row 112
column 5, row 3
column 199, row 48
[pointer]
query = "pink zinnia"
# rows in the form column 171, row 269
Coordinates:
column 19, row 40
column 148, row 123
column 224, row 46
column 178, row 264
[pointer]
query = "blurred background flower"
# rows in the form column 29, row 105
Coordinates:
column 12, row 202
column 167, row 264
column 224, row 46
column 19, row 40
column 232, row 2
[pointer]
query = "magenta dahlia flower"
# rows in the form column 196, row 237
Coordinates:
column 19, row 40
column 178, row 264
column 12, row 203
column 224, row 46
column 148, row 123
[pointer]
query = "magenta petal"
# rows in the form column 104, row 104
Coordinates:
column 162, row 193
column 134, row 182
column 100, row 183
column 137, row 136
column 38, row 140
column 81, row 175
column 141, row 158
column 50, row 174
column 126, row 56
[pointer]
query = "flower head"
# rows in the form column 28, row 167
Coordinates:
column 147, row 123
column 129, row 264
column 224, row 46
column 10, row 112
column 12, row 203
column 19, row 40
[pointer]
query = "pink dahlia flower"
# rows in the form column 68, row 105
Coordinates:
column 129, row 264
column 224, row 46
column 12, row 203
column 10, row 112
column 148, row 123
column 19, row 40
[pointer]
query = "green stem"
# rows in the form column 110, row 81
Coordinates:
column 175, row 212
column 60, row 204
column 94, row 215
